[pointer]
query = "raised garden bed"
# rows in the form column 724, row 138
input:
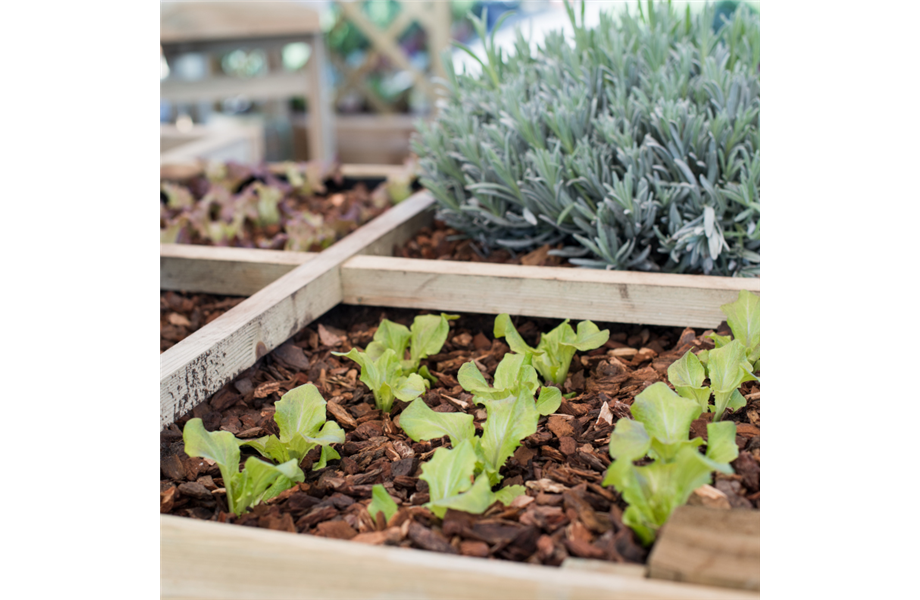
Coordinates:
column 205, row 362
column 566, row 512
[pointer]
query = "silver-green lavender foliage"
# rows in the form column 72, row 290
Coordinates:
column 638, row 146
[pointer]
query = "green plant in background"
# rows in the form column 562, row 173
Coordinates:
column 384, row 366
column 661, row 431
column 728, row 365
column 462, row 477
column 638, row 146
column 258, row 480
column 553, row 355
column 381, row 502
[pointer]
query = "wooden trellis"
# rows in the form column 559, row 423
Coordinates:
column 432, row 16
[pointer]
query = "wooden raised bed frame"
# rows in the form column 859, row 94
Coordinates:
column 358, row 270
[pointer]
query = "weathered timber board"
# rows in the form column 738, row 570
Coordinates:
column 200, row 364
column 555, row 292
column 709, row 546
column 218, row 270
column 201, row 559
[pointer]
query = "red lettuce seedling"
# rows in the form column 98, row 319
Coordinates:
column 553, row 355
column 258, row 480
column 661, row 430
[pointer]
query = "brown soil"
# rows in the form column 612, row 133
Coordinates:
column 566, row 511
column 438, row 243
column 181, row 314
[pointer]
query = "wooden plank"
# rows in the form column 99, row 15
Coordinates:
column 218, row 270
column 274, row 85
column 709, row 546
column 188, row 22
column 556, row 292
column 321, row 137
column 200, row 364
column 202, row 559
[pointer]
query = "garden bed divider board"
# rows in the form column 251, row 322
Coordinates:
column 204, row 559
column 222, row 270
column 198, row 366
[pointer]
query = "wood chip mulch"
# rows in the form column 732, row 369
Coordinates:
column 181, row 314
column 441, row 242
column 566, row 511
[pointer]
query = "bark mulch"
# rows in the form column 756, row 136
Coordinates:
column 566, row 511
column 181, row 314
column 441, row 242
column 308, row 222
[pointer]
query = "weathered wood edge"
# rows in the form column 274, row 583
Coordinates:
column 199, row 365
column 555, row 292
column 231, row 271
column 202, row 559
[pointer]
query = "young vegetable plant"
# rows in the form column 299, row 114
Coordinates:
column 554, row 353
column 728, row 365
column 462, row 477
column 258, row 480
column 301, row 418
column 661, row 430
column 384, row 366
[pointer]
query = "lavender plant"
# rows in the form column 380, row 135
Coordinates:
column 637, row 145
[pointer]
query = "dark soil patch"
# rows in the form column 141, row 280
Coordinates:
column 566, row 511
column 441, row 242
column 181, row 314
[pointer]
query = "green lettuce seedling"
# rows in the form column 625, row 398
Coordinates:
column 258, row 481
column 382, row 372
column 301, row 419
column 553, row 355
column 381, row 502
column 728, row 365
column 463, row 476
column 661, row 431
column 384, row 366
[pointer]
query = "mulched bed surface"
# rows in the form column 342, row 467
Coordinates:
column 441, row 242
column 566, row 511
column 182, row 313
column 342, row 209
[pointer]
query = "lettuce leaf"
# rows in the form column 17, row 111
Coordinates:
column 421, row 423
column 381, row 371
column 728, row 368
column 666, row 417
column 687, row 375
column 451, row 482
column 381, row 501
column 301, row 418
column 427, row 336
column 257, row 482
column 553, row 355
column 510, row 421
column 744, row 319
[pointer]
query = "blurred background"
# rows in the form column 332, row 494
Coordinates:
column 301, row 79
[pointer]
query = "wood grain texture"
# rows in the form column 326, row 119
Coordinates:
column 556, row 292
column 200, row 364
column 202, row 559
column 710, row 547
column 231, row 271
